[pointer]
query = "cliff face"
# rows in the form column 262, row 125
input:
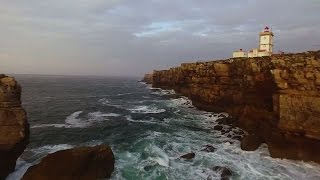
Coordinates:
column 147, row 78
column 14, row 128
column 275, row 99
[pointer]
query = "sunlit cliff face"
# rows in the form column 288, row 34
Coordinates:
column 123, row 37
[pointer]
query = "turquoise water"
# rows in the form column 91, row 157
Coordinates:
column 148, row 130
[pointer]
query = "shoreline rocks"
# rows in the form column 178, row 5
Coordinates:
column 208, row 148
column 274, row 99
column 77, row 163
column 224, row 172
column 14, row 128
column 188, row 156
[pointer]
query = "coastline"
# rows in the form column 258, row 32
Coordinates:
column 275, row 99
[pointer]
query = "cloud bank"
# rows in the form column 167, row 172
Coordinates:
column 129, row 38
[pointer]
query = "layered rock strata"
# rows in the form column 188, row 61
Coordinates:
column 14, row 128
column 275, row 99
column 82, row 163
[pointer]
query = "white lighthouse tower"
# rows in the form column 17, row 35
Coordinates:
column 265, row 46
column 265, row 42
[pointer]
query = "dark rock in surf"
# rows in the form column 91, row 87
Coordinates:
column 224, row 172
column 149, row 167
column 237, row 137
column 78, row 163
column 226, row 121
column 188, row 156
column 208, row 148
column 251, row 142
column 218, row 127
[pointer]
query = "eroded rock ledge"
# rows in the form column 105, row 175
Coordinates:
column 14, row 128
column 275, row 99
column 79, row 163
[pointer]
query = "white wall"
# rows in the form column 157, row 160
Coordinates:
column 239, row 54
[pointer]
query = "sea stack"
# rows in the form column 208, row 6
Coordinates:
column 14, row 128
column 276, row 98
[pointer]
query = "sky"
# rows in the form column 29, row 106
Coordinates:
column 132, row 37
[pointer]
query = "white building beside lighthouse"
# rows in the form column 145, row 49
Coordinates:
column 265, row 46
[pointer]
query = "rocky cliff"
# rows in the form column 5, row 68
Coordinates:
column 79, row 163
column 14, row 128
column 275, row 99
column 147, row 78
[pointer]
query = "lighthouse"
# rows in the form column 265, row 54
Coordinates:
column 265, row 46
column 265, row 42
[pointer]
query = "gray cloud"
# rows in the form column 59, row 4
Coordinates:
column 125, row 37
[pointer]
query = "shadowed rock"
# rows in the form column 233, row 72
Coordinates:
column 14, row 128
column 218, row 127
column 79, row 163
column 251, row 142
column 188, row 156
column 224, row 172
column 208, row 148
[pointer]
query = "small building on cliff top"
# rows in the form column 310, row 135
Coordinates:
column 265, row 46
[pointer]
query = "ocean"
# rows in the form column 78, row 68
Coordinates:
column 148, row 130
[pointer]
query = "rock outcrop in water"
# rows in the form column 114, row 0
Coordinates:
column 14, row 128
column 78, row 163
column 275, row 99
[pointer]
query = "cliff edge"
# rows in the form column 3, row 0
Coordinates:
column 275, row 99
column 14, row 128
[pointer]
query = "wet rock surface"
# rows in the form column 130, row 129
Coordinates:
column 188, row 156
column 275, row 98
column 14, row 128
column 218, row 127
column 79, row 163
column 224, row 172
column 208, row 148
column 251, row 142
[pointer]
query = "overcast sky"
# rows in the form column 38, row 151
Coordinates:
column 131, row 37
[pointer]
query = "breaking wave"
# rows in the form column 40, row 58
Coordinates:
column 147, row 110
column 74, row 121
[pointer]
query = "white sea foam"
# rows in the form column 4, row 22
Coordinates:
column 48, row 149
column 160, row 156
column 50, row 125
column 141, row 82
column 71, row 121
column 147, row 110
column 20, row 169
column 123, row 94
column 182, row 101
column 74, row 121
column 129, row 118
column 100, row 114
column 104, row 101
column 107, row 102
column 162, row 92
column 152, row 88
